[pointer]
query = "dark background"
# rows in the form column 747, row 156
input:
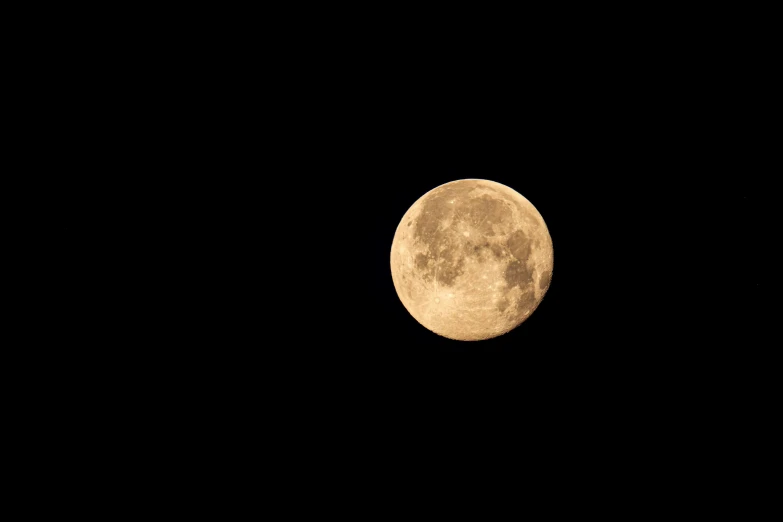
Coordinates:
column 216, row 263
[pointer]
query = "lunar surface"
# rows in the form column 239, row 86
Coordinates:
column 471, row 259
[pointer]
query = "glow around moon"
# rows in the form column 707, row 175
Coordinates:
column 471, row 259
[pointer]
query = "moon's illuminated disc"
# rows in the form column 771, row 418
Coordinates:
column 471, row 259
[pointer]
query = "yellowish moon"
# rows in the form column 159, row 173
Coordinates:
column 471, row 259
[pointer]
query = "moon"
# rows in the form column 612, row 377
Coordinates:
column 471, row 259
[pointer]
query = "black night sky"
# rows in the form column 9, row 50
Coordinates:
column 228, row 246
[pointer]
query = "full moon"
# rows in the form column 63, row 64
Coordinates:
column 471, row 259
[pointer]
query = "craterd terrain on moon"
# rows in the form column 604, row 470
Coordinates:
column 471, row 259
